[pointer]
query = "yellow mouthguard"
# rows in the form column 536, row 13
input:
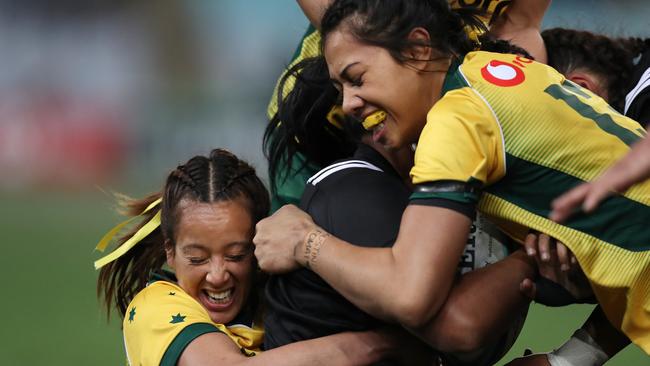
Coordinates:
column 374, row 119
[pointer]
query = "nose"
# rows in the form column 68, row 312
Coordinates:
column 218, row 273
column 352, row 103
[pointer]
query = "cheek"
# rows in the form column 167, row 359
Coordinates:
column 243, row 272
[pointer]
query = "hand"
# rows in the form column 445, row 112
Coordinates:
column 279, row 238
column 587, row 196
column 556, row 263
column 532, row 360
column 549, row 252
column 632, row 168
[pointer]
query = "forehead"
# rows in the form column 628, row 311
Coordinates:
column 215, row 224
column 341, row 49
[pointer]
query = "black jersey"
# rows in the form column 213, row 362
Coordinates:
column 359, row 200
column 637, row 101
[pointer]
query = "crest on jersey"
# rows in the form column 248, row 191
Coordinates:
column 502, row 73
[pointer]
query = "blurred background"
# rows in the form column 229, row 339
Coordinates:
column 102, row 96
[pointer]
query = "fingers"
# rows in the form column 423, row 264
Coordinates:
column 565, row 205
column 596, row 195
column 563, row 256
column 544, row 246
column 530, row 244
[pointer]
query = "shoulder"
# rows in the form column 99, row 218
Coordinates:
column 160, row 321
column 349, row 182
column 349, row 176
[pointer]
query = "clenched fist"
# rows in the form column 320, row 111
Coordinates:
column 279, row 239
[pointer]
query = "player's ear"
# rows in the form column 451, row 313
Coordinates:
column 420, row 52
column 589, row 81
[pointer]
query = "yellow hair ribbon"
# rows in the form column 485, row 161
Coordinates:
column 374, row 119
column 139, row 235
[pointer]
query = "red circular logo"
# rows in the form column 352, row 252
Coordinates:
column 502, row 73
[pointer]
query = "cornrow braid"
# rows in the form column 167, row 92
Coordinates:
column 220, row 177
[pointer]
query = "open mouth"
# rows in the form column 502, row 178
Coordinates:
column 374, row 119
column 219, row 297
column 217, row 301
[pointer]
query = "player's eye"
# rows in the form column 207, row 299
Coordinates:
column 196, row 260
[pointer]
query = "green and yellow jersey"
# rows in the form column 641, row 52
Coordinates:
column 163, row 319
column 290, row 190
column 523, row 135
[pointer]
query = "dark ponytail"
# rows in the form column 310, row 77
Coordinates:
column 301, row 124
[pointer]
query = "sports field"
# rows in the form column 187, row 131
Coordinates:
column 50, row 315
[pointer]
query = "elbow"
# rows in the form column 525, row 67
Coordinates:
column 415, row 313
column 457, row 331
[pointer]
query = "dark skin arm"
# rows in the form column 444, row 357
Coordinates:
column 521, row 23
column 407, row 283
column 459, row 327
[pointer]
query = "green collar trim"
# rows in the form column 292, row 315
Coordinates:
column 453, row 79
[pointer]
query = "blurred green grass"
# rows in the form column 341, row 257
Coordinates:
column 50, row 312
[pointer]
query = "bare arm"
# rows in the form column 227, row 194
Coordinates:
column 359, row 348
column 631, row 169
column 521, row 23
column 494, row 289
column 314, row 10
column 407, row 283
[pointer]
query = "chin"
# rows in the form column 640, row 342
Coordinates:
column 223, row 318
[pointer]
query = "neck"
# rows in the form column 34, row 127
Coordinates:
column 400, row 159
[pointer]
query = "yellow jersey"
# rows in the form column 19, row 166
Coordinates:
column 162, row 320
column 523, row 134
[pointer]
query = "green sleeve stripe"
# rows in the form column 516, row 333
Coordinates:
column 463, row 197
column 187, row 335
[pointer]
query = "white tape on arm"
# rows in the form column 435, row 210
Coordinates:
column 579, row 350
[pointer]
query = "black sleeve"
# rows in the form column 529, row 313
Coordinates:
column 640, row 108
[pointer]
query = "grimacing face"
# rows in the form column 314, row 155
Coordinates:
column 213, row 256
column 370, row 79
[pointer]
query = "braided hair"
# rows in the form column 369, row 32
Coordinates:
column 219, row 177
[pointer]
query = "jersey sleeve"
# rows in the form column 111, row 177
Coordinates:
column 460, row 150
column 160, row 322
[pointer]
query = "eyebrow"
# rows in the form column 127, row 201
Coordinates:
column 189, row 247
column 344, row 73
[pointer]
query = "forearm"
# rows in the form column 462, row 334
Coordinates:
column 610, row 339
column 406, row 283
column 314, row 10
column 632, row 168
column 358, row 348
column 521, row 23
column 367, row 277
column 459, row 326
column 350, row 348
